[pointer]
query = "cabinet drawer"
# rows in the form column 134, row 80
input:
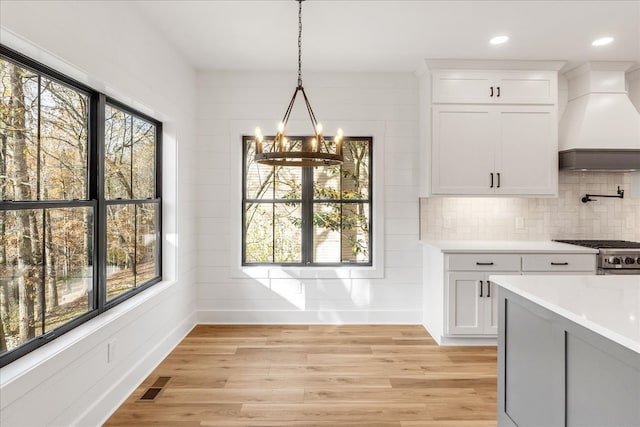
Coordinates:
column 559, row 262
column 483, row 262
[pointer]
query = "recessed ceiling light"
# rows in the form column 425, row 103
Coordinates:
column 499, row 39
column 602, row 41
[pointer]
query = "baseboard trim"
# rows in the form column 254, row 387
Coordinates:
column 114, row 396
column 334, row 317
column 469, row 341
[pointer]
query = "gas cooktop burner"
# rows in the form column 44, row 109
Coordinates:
column 603, row 244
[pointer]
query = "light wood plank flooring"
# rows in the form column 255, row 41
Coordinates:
column 369, row 375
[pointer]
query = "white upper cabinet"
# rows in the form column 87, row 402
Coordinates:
column 487, row 87
column 493, row 133
column 494, row 150
column 527, row 151
column 463, row 149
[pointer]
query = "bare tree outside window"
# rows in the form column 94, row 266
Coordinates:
column 45, row 253
column 76, row 237
column 130, row 150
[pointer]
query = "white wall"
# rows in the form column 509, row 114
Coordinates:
column 108, row 46
column 383, row 105
column 633, row 80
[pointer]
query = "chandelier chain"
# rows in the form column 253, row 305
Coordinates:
column 313, row 151
column 300, row 43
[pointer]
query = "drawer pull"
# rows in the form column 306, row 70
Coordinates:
column 559, row 263
column 480, row 288
column 484, row 263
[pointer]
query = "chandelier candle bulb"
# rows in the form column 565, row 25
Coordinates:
column 338, row 140
column 259, row 139
column 317, row 146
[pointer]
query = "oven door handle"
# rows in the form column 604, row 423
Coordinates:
column 617, row 271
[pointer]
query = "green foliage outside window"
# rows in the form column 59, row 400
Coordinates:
column 334, row 202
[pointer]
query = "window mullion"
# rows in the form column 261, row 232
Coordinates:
column 273, row 215
column 307, row 215
column 43, row 280
column 100, row 221
column 38, row 140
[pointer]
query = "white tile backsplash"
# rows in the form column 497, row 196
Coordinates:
column 463, row 218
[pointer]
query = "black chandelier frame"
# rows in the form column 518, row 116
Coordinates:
column 315, row 151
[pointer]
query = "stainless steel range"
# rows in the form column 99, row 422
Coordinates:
column 615, row 256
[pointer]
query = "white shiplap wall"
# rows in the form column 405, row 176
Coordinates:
column 70, row 381
column 380, row 104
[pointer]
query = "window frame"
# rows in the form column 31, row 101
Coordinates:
column 307, row 204
column 102, row 224
column 94, row 198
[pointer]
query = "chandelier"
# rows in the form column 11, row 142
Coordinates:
column 314, row 151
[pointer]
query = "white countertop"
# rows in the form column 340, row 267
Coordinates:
column 507, row 246
column 607, row 305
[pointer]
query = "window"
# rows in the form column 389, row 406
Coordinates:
column 132, row 207
column 79, row 204
column 308, row 216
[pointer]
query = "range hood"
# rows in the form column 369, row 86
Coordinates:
column 600, row 128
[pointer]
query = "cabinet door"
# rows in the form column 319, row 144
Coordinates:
column 526, row 87
column 461, row 87
column 464, row 306
column 527, row 151
column 490, row 308
column 463, row 140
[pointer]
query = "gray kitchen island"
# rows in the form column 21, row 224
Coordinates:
column 568, row 351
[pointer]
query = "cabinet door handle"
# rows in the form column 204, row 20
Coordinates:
column 480, row 288
column 491, row 186
column 484, row 263
column 498, row 95
column 488, row 289
column 498, row 186
column 559, row 263
column 491, row 95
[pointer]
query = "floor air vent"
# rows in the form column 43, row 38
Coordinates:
column 152, row 392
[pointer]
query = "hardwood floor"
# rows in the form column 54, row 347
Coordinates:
column 371, row 375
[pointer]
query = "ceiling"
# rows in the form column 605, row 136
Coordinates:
column 358, row 35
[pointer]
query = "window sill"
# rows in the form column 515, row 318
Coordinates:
column 80, row 339
column 297, row 272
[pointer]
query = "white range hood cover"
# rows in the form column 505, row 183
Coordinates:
column 600, row 119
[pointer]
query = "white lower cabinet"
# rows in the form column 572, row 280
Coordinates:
column 472, row 304
column 470, row 298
